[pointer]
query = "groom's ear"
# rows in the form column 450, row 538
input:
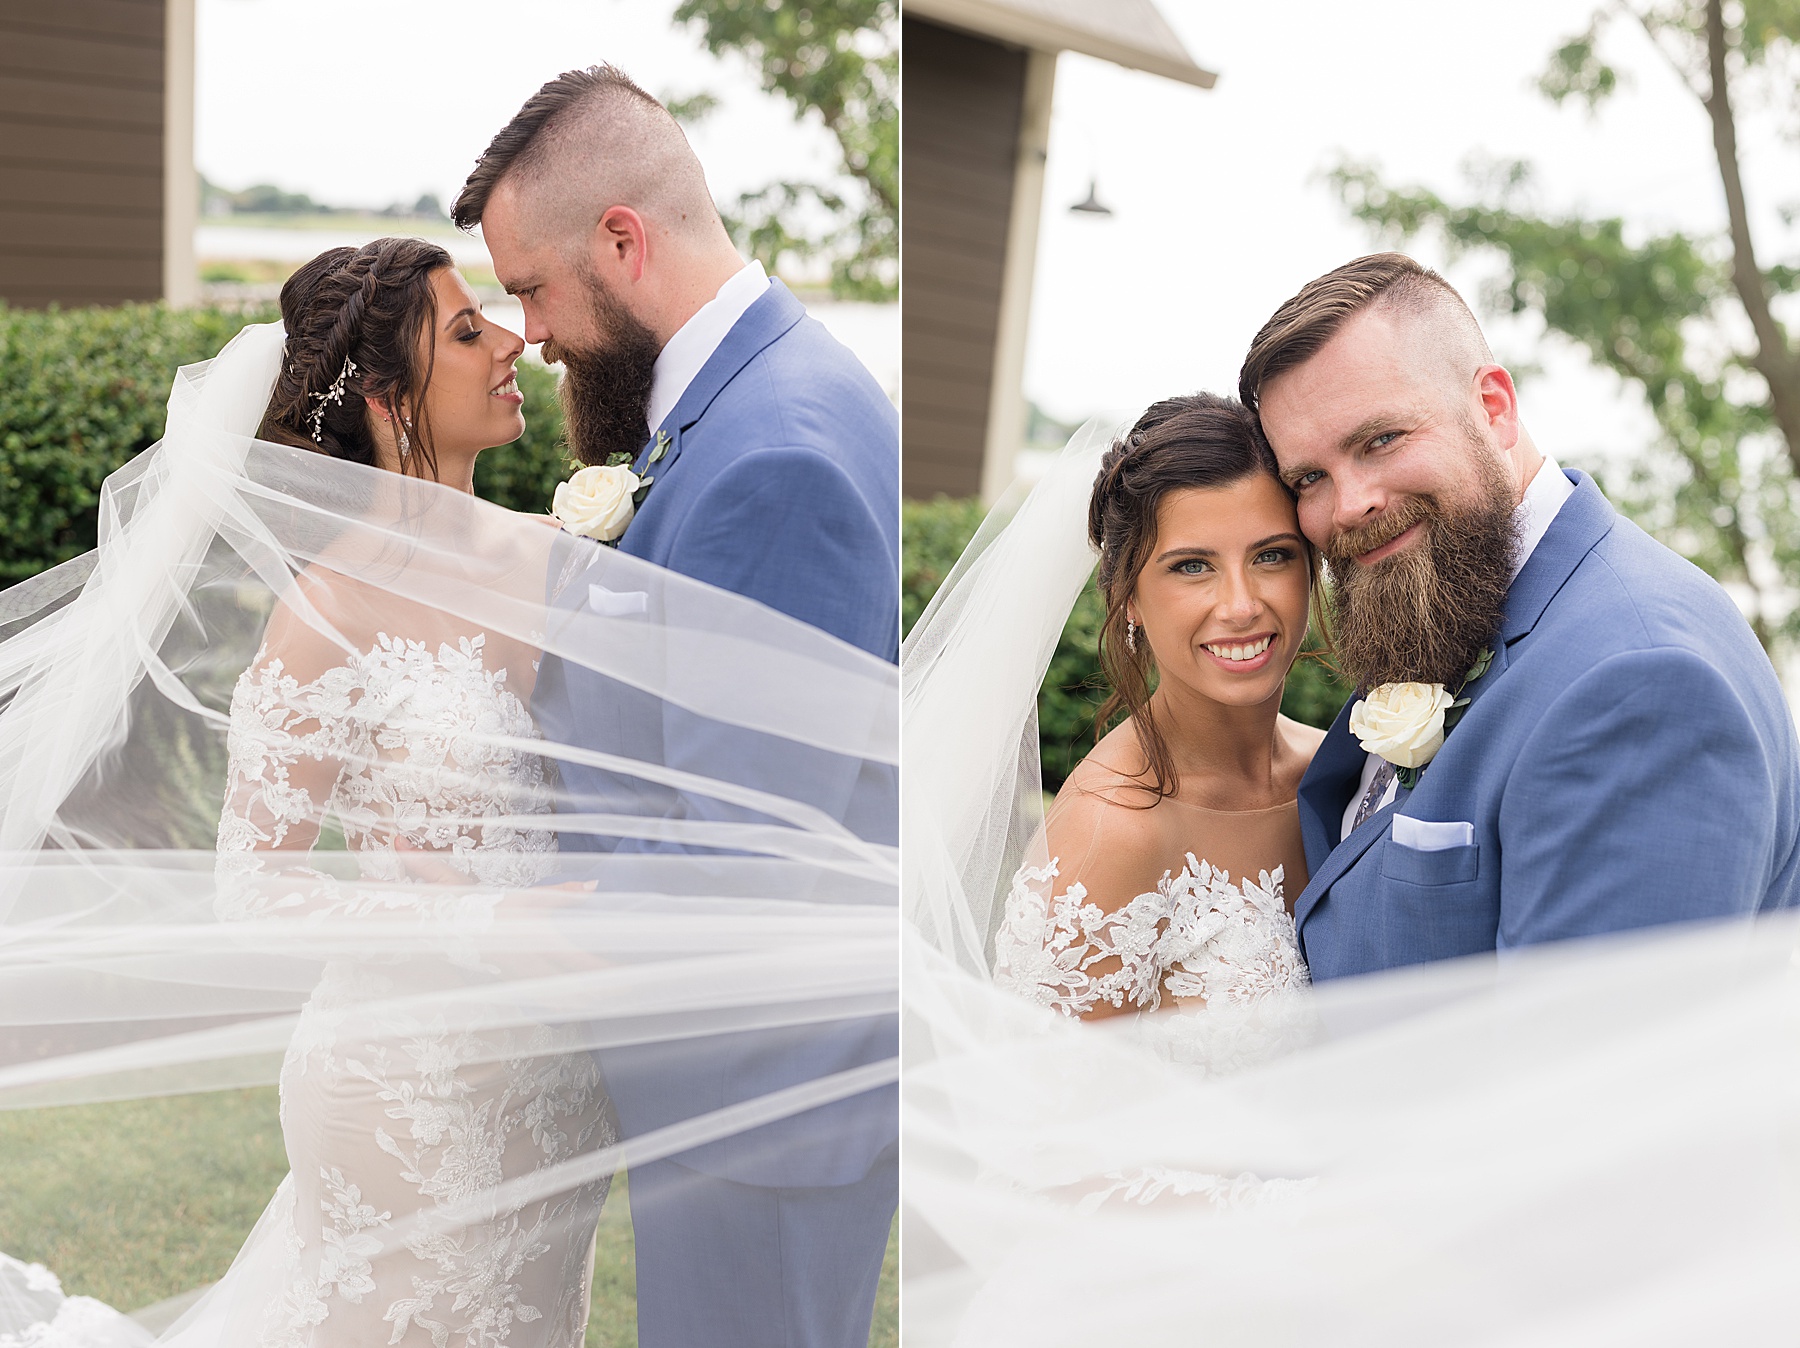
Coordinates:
column 621, row 245
column 1499, row 402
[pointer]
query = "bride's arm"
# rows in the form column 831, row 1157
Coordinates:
column 1083, row 928
column 286, row 747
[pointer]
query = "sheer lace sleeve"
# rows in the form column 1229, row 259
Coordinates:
column 286, row 750
column 1124, row 913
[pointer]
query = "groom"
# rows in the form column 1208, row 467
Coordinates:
column 1624, row 755
column 774, row 465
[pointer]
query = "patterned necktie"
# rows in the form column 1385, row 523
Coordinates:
column 1378, row 786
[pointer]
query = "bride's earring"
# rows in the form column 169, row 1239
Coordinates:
column 1130, row 635
column 405, row 445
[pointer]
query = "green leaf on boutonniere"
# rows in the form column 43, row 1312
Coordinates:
column 620, row 458
column 1479, row 668
column 660, row 448
column 1408, row 777
column 637, row 497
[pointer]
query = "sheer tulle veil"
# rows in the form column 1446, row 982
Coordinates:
column 734, row 874
column 1590, row 1143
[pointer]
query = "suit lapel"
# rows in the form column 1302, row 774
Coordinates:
column 775, row 311
column 1585, row 518
column 1326, row 786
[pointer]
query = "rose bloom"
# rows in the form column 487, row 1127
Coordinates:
column 1402, row 722
column 596, row 502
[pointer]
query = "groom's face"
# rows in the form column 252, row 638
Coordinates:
column 1379, row 419
column 607, row 352
column 1398, row 459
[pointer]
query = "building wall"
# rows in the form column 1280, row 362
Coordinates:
column 81, row 151
column 959, row 131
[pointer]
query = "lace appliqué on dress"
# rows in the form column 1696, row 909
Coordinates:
column 389, row 1115
column 1197, row 935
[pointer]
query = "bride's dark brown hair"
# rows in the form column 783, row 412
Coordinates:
column 1200, row 440
column 366, row 305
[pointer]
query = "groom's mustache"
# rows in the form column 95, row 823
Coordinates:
column 1344, row 547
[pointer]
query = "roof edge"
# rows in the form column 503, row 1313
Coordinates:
column 988, row 19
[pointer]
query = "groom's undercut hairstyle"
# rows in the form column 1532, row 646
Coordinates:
column 1448, row 337
column 587, row 141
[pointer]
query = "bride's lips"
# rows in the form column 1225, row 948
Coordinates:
column 1221, row 652
column 507, row 391
column 1389, row 548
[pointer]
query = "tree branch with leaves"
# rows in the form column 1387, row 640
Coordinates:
column 839, row 60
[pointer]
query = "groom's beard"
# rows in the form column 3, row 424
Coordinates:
column 605, row 391
column 1424, row 614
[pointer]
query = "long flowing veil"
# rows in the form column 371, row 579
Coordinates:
column 662, row 838
column 1589, row 1143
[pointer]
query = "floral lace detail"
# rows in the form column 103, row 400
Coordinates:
column 389, row 1115
column 1197, row 935
column 1221, row 1192
column 414, row 733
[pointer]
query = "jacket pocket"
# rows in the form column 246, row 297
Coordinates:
column 1447, row 866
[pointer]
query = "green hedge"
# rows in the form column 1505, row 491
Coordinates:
column 933, row 535
column 83, row 390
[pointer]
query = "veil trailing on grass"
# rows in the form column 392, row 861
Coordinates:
column 516, row 860
column 1588, row 1143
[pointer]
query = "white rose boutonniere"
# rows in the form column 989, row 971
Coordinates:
column 1405, row 723
column 597, row 502
column 1402, row 722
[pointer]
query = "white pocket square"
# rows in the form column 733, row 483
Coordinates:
column 1428, row 835
column 617, row 603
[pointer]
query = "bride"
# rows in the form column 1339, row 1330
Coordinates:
column 274, row 808
column 1173, row 850
column 1469, row 1151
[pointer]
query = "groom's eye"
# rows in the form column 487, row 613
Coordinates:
column 1307, row 479
column 1384, row 439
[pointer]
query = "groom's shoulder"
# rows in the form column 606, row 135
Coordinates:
column 808, row 388
column 1633, row 593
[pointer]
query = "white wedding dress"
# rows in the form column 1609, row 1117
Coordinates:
column 405, row 1115
column 380, row 922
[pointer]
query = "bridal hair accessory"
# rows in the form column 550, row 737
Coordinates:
column 334, row 394
column 1405, row 723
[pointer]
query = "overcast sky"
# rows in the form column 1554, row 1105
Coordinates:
column 1221, row 214
column 366, row 102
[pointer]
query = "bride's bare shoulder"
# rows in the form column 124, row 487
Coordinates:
column 1103, row 794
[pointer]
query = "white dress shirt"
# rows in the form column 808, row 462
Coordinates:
column 695, row 340
column 1544, row 496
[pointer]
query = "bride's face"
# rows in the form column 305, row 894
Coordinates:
column 472, row 401
column 1222, row 600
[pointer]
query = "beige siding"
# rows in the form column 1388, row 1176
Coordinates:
column 959, row 126
column 81, row 152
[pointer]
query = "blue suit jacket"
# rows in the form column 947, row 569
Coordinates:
column 782, row 483
column 1628, row 760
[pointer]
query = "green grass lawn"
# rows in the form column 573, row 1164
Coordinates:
column 139, row 1201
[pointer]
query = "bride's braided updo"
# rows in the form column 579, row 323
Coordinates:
column 1200, row 440
column 365, row 307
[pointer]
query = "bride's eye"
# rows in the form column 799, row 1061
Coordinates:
column 1192, row 566
column 470, row 335
column 1276, row 555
